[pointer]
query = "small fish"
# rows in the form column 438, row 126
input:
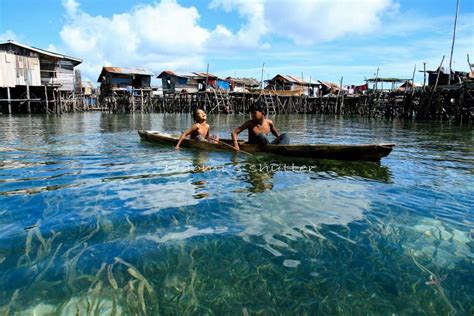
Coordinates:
column 435, row 281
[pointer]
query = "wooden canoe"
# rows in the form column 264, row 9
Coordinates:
column 369, row 152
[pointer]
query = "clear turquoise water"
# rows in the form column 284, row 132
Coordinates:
column 94, row 220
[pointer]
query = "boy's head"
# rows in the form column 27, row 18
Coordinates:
column 199, row 116
column 257, row 111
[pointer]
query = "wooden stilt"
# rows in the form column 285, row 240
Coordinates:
column 46, row 98
column 28, row 97
column 133, row 101
column 73, row 95
column 60, row 105
column 9, row 101
column 436, row 83
column 424, row 76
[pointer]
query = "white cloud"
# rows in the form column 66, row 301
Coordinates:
column 71, row 6
column 162, row 35
column 157, row 36
column 252, row 12
column 324, row 39
column 9, row 35
column 309, row 21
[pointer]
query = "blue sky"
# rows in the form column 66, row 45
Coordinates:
column 319, row 39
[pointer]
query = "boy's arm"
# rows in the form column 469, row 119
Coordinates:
column 185, row 134
column 236, row 132
column 273, row 129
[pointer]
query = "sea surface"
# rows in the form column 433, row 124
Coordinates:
column 95, row 221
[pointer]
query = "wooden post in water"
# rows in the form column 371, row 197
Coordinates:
column 133, row 100
column 436, row 83
column 55, row 108
column 413, row 81
column 412, row 91
column 454, row 39
column 337, row 98
column 376, row 82
column 9, row 101
column 28, row 97
column 261, row 89
column 413, row 76
column 376, row 79
column 424, row 76
column 46, row 98
column 73, row 91
column 342, row 98
column 60, row 105
column 205, row 89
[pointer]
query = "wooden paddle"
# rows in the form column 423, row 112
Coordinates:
column 240, row 150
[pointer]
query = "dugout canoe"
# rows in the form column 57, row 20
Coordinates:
column 366, row 152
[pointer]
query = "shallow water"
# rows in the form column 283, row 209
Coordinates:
column 93, row 219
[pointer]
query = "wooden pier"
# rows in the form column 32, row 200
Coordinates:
column 455, row 102
column 43, row 100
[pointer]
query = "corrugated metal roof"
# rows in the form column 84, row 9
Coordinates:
column 251, row 82
column 166, row 72
column 205, row 75
column 172, row 73
column 124, row 71
column 293, row 79
column 187, row 74
column 328, row 84
column 127, row 70
column 387, row 80
column 77, row 61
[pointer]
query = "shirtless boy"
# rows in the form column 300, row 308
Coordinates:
column 258, row 128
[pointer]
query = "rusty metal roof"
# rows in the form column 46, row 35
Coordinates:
column 329, row 84
column 187, row 75
column 293, row 79
column 205, row 75
column 124, row 71
column 251, row 82
column 166, row 72
column 175, row 74
column 127, row 71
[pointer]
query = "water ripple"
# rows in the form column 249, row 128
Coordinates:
column 89, row 213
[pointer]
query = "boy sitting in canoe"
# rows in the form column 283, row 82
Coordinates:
column 258, row 128
column 199, row 130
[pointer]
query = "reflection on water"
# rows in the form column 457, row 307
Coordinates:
column 261, row 170
column 94, row 221
column 286, row 213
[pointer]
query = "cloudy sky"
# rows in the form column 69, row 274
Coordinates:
column 318, row 39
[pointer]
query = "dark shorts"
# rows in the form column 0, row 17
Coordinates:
column 199, row 137
column 261, row 139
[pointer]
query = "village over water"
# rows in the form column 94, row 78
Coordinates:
column 236, row 157
column 35, row 80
